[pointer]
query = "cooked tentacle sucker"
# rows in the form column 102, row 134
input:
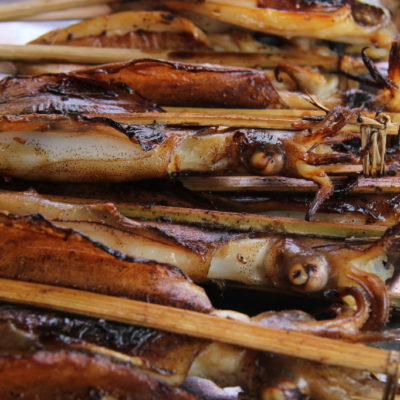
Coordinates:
column 67, row 258
column 102, row 150
column 292, row 263
column 342, row 21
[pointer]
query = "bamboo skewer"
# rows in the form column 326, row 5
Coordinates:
column 237, row 221
column 283, row 184
column 263, row 119
column 199, row 325
column 249, row 222
column 17, row 10
column 71, row 14
column 93, row 55
column 72, row 54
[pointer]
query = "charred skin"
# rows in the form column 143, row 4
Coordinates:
column 291, row 263
column 190, row 85
column 165, row 356
column 343, row 21
column 64, row 257
column 63, row 94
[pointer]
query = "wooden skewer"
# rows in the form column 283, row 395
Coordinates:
column 282, row 184
column 93, row 55
column 263, row 119
column 16, row 10
column 249, row 222
column 73, row 13
column 195, row 324
column 73, row 54
column 237, row 221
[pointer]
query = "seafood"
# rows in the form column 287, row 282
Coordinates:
column 299, row 264
column 59, row 94
column 162, row 355
column 148, row 30
column 48, row 148
column 342, row 21
column 190, row 85
column 162, row 82
column 179, row 39
column 67, row 258
column 145, row 350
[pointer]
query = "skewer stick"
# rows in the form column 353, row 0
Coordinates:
column 249, row 222
column 237, row 221
column 14, row 11
column 73, row 13
column 283, row 184
column 93, row 55
column 238, row 118
column 196, row 324
column 73, row 54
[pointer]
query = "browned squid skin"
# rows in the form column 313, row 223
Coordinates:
column 63, row 94
column 163, row 355
column 53, row 255
column 189, row 85
column 71, row 375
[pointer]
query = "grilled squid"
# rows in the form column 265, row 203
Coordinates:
column 168, row 357
column 103, row 150
column 146, row 30
column 176, row 38
column 299, row 264
column 346, row 21
column 64, row 257
column 62, row 94
column 181, row 84
column 162, row 82
column 166, row 83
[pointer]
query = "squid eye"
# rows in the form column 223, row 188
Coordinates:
column 310, row 276
column 267, row 163
column 298, row 275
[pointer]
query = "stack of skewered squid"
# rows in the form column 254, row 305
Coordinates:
column 175, row 149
